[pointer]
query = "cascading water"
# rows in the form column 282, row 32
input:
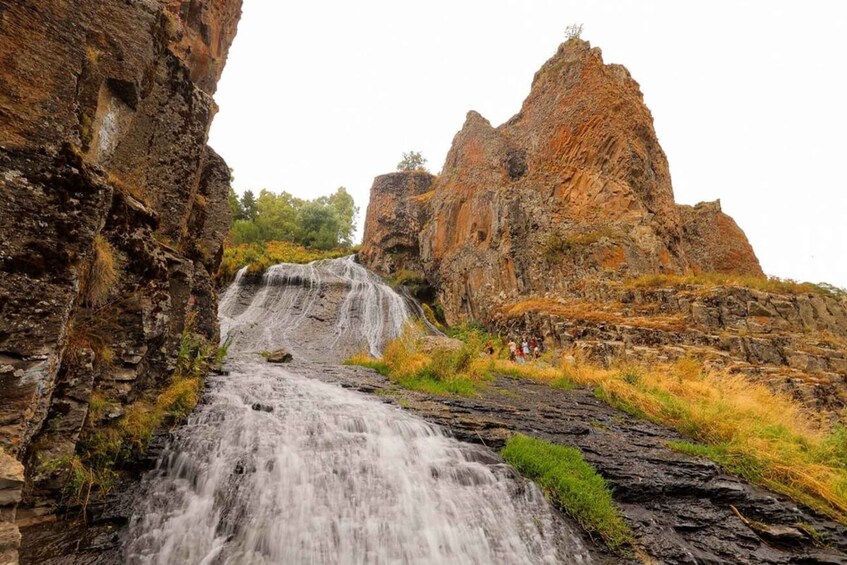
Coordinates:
column 278, row 467
column 324, row 310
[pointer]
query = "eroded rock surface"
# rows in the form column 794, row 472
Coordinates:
column 537, row 228
column 104, row 114
column 575, row 185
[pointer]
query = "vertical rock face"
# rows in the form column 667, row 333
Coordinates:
column 394, row 221
column 104, row 114
column 714, row 242
column 575, row 185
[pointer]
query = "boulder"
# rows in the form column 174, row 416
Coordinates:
column 278, row 356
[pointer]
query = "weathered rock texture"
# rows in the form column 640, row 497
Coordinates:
column 796, row 343
column 394, row 221
column 575, row 185
column 104, row 114
column 537, row 227
column 714, row 243
column 679, row 507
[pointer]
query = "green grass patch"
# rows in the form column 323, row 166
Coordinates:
column 572, row 484
column 363, row 361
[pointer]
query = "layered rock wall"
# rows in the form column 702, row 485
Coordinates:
column 104, row 114
column 574, row 186
column 393, row 223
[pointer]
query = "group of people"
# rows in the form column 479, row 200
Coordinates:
column 526, row 351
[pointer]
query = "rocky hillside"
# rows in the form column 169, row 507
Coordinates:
column 105, row 109
column 553, row 223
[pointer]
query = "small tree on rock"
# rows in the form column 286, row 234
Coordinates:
column 573, row 31
column 412, row 161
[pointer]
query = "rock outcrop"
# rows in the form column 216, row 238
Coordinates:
column 714, row 243
column 105, row 109
column 553, row 224
column 575, row 185
column 394, row 221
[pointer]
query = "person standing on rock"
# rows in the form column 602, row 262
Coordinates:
column 512, row 349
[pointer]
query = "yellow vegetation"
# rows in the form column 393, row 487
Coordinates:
column 712, row 280
column 610, row 313
column 761, row 435
column 260, row 256
column 103, row 273
column 439, row 371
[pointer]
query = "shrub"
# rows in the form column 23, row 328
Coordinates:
column 258, row 257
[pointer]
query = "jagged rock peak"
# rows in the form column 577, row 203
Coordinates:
column 575, row 185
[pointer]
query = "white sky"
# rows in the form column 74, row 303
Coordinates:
column 748, row 99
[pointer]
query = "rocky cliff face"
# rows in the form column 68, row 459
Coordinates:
column 104, row 114
column 394, row 221
column 575, row 185
column 541, row 225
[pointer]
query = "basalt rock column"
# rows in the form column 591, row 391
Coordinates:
column 104, row 114
column 573, row 187
column 394, row 220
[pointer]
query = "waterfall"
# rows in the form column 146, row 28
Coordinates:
column 326, row 310
column 276, row 466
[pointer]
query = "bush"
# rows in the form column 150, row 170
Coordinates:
column 260, row 256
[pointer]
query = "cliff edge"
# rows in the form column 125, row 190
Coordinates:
column 112, row 220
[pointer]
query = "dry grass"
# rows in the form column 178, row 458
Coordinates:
column 713, row 280
column 259, row 256
column 754, row 432
column 440, row 371
column 127, row 188
column 103, row 273
column 609, row 313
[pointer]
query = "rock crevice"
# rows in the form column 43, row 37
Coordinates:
column 107, row 179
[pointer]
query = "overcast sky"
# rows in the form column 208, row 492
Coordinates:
column 747, row 96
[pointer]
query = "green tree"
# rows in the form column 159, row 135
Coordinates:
column 245, row 231
column 412, row 161
column 323, row 223
column 317, row 225
column 235, row 206
column 346, row 212
column 248, row 204
column 276, row 215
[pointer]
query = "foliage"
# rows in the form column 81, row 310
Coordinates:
column 572, row 484
column 573, row 31
column 712, row 280
column 412, row 161
column 260, row 256
column 766, row 437
column 324, row 223
column 104, row 447
column 235, row 206
column 439, row 371
column 103, row 273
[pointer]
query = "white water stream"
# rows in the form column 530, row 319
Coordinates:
column 278, row 467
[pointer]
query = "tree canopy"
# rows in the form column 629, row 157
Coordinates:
column 412, row 161
column 327, row 222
